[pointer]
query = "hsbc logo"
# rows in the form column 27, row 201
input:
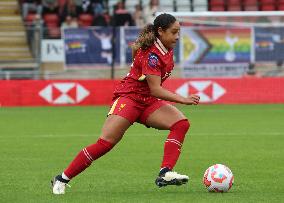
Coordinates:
column 208, row 91
column 64, row 93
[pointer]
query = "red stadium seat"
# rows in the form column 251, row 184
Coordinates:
column 234, row 8
column 251, row 8
column 51, row 20
column 218, row 8
column 281, row 7
column 30, row 18
column 267, row 1
column 250, row 2
column 217, row 2
column 234, row 5
column 268, row 7
column 234, row 2
column 86, row 20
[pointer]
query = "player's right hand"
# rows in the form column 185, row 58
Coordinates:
column 192, row 100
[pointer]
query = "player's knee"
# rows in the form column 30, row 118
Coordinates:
column 181, row 125
column 112, row 138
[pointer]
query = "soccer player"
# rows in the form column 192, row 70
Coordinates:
column 139, row 97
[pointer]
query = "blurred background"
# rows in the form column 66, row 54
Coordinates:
column 72, row 52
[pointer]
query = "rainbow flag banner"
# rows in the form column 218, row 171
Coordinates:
column 215, row 45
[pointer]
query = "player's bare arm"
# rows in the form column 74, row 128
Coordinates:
column 154, row 83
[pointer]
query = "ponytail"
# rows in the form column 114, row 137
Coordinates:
column 146, row 38
column 148, row 35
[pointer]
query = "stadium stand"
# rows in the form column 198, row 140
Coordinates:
column 267, row 5
column 15, row 54
column 281, row 5
column 53, row 21
column 217, row 5
column 234, row 5
column 245, row 5
column 52, row 24
column 250, row 5
column 16, row 39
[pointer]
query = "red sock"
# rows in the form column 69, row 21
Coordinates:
column 174, row 142
column 85, row 157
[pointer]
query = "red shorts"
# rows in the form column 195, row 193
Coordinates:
column 135, row 111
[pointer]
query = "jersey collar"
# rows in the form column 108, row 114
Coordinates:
column 161, row 47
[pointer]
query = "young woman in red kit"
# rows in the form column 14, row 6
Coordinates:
column 139, row 97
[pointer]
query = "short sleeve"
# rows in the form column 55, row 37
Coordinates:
column 151, row 65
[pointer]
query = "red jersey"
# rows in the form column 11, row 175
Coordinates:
column 156, row 60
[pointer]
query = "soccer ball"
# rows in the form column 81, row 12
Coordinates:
column 218, row 178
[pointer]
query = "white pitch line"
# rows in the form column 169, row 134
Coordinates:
column 164, row 133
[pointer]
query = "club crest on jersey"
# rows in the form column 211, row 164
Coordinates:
column 153, row 60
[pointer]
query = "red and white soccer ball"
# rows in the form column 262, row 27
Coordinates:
column 218, row 178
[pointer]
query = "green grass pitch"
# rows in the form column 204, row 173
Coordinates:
column 38, row 143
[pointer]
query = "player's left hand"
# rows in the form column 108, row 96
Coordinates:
column 195, row 99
